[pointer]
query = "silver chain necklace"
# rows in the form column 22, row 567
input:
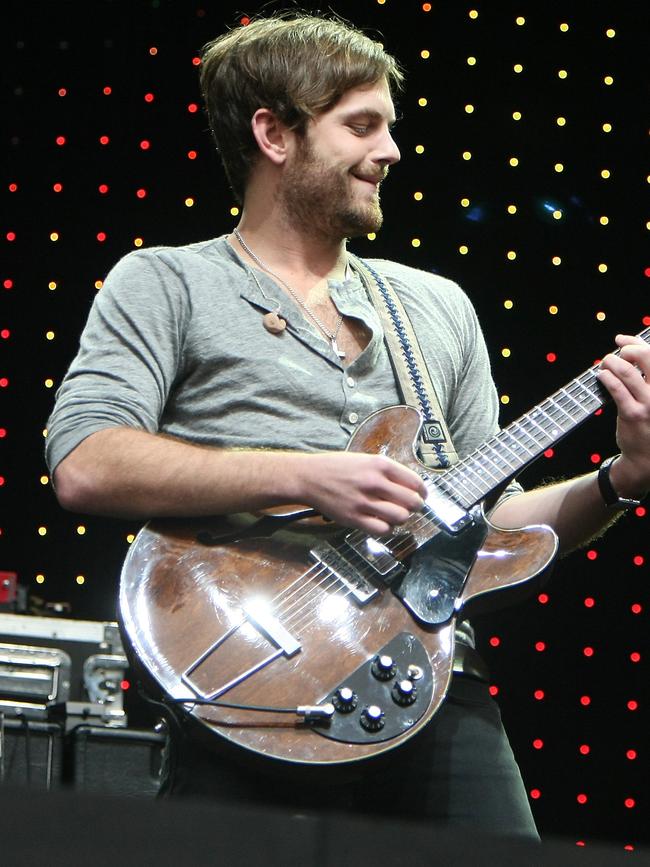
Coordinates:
column 331, row 335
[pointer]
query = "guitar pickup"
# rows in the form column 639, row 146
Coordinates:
column 373, row 552
column 360, row 588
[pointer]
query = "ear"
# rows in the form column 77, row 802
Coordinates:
column 272, row 136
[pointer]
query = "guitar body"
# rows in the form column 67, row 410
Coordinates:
column 236, row 609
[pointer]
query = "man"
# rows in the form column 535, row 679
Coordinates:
column 227, row 376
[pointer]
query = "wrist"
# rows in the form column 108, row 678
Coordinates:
column 618, row 483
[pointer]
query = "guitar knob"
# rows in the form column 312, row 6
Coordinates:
column 345, row 699
column 372, row 718
column 383, row 667
column 404, row 692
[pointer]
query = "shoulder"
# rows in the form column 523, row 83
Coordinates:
column 178, row 260
column 423, row 286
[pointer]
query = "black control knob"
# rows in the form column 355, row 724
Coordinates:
column 383, row 667
column 372, row 718
column 345, row 699
column 404, row 692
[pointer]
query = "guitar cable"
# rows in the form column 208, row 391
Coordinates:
column 306, row 711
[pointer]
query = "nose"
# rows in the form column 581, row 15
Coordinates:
column 389, row 150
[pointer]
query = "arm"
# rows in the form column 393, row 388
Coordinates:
column 130, row 473
column 575, row 508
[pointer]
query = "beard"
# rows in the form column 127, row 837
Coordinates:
column 320, row 198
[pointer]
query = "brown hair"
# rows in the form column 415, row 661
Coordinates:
column 298, row 67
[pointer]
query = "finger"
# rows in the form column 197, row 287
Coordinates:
column 405, row 477
column 629, row 375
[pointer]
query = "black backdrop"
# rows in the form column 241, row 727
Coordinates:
column 559, row 88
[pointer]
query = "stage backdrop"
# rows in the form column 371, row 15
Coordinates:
column 522, row 177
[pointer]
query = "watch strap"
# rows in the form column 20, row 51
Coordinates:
column 607, row 491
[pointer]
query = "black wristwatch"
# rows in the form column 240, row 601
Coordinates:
column 609, row 495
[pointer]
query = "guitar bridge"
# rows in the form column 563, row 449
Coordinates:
column 361, row 589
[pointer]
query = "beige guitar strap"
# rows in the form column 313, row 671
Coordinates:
column 436, row 448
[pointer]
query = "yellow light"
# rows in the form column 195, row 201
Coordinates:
column 189, row 202
column 556, row 260
column 54, row 236
column 512, row 209
column 467, row 155
column 465, row 203
column 49, row 335
column 138, row 242
column 463, row 250
column 505, row 398
column 558, row 167
column 610, row 32
column 602, row 267
column 600, row 316
column 81, row 530
column 518, row 67
column 520, row 20
column 381, row 2
column 80, row 579
column 419, row 149
column 44, row 480
column 415, row 242
column 469, row 108
column 607, row 127
column 418, row 196
column 40, row 579
column 564, row 27
column 557, row 215
column 553, row 310
column 604, row 221
column 562, row 73
column 44, row 432
column 505, row 352
column 471, row 61
column 371, row 236
column 49, row 383
column 51, row 285
column 422, row 101
column 425, row 54
column 508, row 304
column 42, row 531
column 473, row 13
column 561, row 121
column 99, row 284
column 608, row 79
column 513, row 161
column 605, row 173
column 516, row 115
column 130, row 538
column 511, row 254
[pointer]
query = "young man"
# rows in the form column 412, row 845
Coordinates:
column 228, row 375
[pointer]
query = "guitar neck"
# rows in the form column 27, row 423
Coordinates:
column 505, row 454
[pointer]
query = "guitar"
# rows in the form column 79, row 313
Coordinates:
column 303, row 641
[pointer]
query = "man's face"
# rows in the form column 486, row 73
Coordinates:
column 331, row 180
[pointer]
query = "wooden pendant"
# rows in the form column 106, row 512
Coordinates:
column 273, row 323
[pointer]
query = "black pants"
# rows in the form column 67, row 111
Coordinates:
column 459, row 772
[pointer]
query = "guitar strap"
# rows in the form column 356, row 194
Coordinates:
column 436, row 448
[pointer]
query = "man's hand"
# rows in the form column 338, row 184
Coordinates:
column 627, row 378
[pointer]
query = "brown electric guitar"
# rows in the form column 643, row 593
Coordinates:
column 303, row 641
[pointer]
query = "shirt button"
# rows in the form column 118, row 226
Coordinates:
column 353, row 418
column 350, row 381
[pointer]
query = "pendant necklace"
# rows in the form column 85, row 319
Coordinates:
column 331, row 335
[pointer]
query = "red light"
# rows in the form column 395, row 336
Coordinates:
column 628, row 847
column 145, row 145
column 191, row 155
column 11, row 236
column 104, row 139
column 599, row 412
column 8, row 284
column 590, row 602
column 141, row 193
column 60, row 140
column 549, row 453
column 426, row 7
column 245, row 21
column 196, row 61
column 13, row 188
column 639, row 511
column 153, row 51
column 580, row 842
column 535, row 794
column 3, row 432
column 631, row 755
column 4, row 382
column 539, row 694
column 542, row 598
column 495, row 641
column 538, row 743
column 595, row 458
column 585, row 701
column 592, row 555
column 636, row 608
column 2, row 481
column 647, row 272
column 588, row 651
column 107, row 91
column 124, row 684
column 632, row 705
column 629, row 803
column 635, row 657
column 101, row 236
column 192, row 108
column 149, row 97
column 62, row 91
column 646, row 320
column 582, row 798
column 103, row 188
column 5, row 333
column 585, row 749
column 551, row 357
column 494, row 690
column 540, row 646
column 638, row 560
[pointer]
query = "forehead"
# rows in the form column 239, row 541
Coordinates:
column 373, row 99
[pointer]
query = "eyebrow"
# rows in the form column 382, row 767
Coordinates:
column 370, row 114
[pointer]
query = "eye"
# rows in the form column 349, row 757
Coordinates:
column 360, row 130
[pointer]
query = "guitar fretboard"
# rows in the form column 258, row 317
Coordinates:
column 505, row 454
